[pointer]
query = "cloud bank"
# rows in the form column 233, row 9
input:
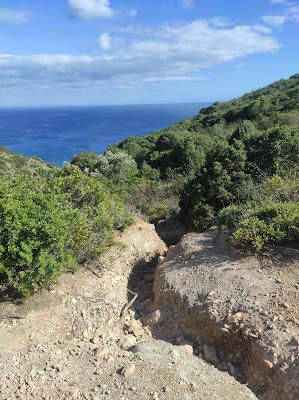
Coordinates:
column 167, row 53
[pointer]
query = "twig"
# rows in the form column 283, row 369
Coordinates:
column 94, row 273
column 12, row 317
column 126, row 307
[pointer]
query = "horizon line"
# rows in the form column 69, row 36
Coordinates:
column 104, row 105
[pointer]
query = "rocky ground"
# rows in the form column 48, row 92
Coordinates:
column 241, row 312
column 84, row 340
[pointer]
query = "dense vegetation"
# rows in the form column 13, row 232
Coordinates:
column 51, row 221
column 269, row 215
column 235, row 164
column 215, row 160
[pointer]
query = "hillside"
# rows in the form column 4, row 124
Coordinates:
column 242, row 154
column 13, row 163
column 276, row 105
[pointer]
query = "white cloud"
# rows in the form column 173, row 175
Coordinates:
column 274, row 20
column 289, row 13
column 283, row 2
column 91, row 9
column 105, row 41
column 188, row 3
column 167, row 52
column 262, row 28
column 221, row 22
column 293, row 13
column 14, row 16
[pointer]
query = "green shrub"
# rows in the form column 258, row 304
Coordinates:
column 252, row 232
column 158, row 212
column 256, row 225
column 37, row 238
column 117, row 166
column 86, row 161
column 229, row 217
column 53, row 222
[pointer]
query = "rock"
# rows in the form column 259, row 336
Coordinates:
column 128, row 371
column 236, row 318
column 268, row 364
column 285, row 305
column 210, row 354
column 153, row 318
column 187, row 348
column 134, row 327
column 130, row 341
column 95, row 340
column 101, row 352
column 74, row 391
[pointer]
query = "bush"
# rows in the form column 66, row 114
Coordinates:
column 86, row 161
column 274, row 223
column 52, row 223
column 117, row 166
column 158, row 212
column 216, row 185
column 269, row 216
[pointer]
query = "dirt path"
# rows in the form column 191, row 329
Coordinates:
column 70, row 342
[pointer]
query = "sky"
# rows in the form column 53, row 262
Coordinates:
column 104, row 52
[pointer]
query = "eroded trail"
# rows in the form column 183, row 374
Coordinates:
column 70, row 342
column 240, row 313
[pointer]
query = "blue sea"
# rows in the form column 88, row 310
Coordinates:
column 56, row 134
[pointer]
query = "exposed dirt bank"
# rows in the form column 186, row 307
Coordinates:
column 242, row 313
column 70, row 342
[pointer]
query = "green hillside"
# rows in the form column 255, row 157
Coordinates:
column 224, row 156
column 254, row 114
column 12, row 163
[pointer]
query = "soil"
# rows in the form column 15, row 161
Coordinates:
column 241, row 312
column 83, row 339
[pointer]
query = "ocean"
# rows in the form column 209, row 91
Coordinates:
column 56, row 134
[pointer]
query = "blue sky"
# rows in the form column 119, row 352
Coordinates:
column 85, row 52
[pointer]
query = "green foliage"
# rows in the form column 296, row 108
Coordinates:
column 141, row 189
column 272, row 223
column 13, row 164
column 86, row 161
column 51, row 222
column 223, row 151
column 158, row 212
column 216, row 185
column 270, row 215
column 117, row 166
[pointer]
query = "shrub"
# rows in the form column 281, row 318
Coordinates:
column 158, row 212
column 229, row 217
column 86, row 161
column 269, row 216
column 216, row 185
column 117, row 166
column 272, row 223
column 37, row 238
column 53, row 222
